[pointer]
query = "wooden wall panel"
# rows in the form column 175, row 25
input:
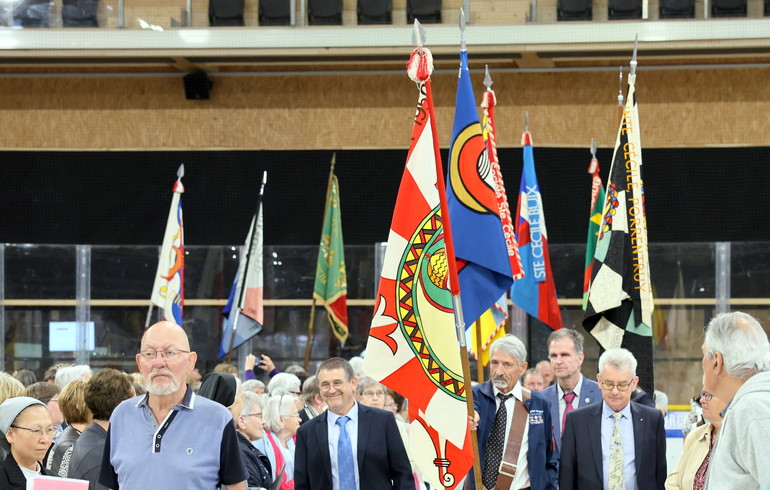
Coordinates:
column 679, row 108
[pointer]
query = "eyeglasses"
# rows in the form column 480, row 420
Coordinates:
column 620, row 386
column 168, row 354
column 326, row 386
column 258, row 415
column 48, row 432
column 372, row 394
column 705, row 395
column 295, row 414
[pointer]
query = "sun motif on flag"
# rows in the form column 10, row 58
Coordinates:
column 422, row 283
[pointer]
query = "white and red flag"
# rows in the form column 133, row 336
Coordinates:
column 168, row 289
column 413, row 346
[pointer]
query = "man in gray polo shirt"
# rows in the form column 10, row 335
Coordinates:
column 170, row 438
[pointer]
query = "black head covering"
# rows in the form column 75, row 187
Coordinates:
column 220, row 387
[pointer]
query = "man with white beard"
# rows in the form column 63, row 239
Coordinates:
column 169, row 437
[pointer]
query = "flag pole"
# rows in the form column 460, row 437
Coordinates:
column 479, row 362
column 454, row 282
column 179, row 175
column 242, row 279
column 621, row 101
column 312, row 306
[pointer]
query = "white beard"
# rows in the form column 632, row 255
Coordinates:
column 164, row 389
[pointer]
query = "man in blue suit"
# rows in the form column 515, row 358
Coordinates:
column 537, row 463
column 616, row 444
column 571, row 389
column 368, row 455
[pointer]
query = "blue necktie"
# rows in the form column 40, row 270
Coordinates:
column 345, row 464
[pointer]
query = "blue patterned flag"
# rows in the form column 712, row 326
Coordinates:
column 482, row 254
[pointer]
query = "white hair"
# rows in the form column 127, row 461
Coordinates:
column 250, row 401
column 743, row 344
column 510, row 345
column 283, row 383
column 278, row 406
column 619, row 358
column 249, row 385
column 70, row 373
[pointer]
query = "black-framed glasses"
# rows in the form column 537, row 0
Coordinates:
column 705, row 395
column 48, row 431
column 620, row 386
column 168, row 354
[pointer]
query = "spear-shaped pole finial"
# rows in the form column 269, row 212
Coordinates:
column 463, row 43
column 632, row 72
column 620, row 87
column 487, row 79
column 593, row 148
column 526, row 121
column 180, row 172
column 418, row 34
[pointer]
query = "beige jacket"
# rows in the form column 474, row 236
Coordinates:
column 696, row 447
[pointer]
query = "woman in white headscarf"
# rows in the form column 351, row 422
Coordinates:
column 29, row 431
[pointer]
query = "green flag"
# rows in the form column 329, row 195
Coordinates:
column 331, row 284
column 594, row 222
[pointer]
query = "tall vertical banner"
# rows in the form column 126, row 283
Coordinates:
column 594, row 223
column 482, row 255
column 534, row 293
column 168, row 288
column 246, row 295
column 412, row 346
column 619, row 307
column 331, row 284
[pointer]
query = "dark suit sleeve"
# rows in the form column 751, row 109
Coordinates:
column 551, row 452
column 301, row 477
column 107, row 475
column 661, row 471
column 568, row 459
column 400, row 470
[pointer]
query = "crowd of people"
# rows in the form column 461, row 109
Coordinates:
column 547, row 427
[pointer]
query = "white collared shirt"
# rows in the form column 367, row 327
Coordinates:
column 334, row 434
column 563, row 402
column 521, row 480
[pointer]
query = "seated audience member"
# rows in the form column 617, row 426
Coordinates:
column 25, row 376
column 371, row 393
column 27, row 426
column 75, row 411
column 690, row 472
column 311, row 395
column 102, row 394
column 281, row 421
column 250, row 427
column 546, row 369
column 67, row 374
column 10, row 387
column 255, row 386
column 533, row 380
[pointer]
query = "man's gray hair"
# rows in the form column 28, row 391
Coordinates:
column 567, row 333
column 251, row 384
column 510, row 345
column 310, row 389
column 251, row 401
column 277, row 406
column 283, row 383
column 619, row 358
column 743, row 344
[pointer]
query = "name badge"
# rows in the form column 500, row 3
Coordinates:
column 535, row 417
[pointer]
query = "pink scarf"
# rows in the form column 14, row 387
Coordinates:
column 279, row 463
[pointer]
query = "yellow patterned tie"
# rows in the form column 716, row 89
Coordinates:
column 617, row 478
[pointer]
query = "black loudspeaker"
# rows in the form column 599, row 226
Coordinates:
column 197, row 86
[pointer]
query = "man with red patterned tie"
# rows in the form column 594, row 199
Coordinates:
column 571, row 389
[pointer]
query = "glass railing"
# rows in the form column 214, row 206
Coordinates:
column 40, row 285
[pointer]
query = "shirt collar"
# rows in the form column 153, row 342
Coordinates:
column 607, row 411
column 352, row 414
column 575, row 390
column 188, row 401
column 516, row 391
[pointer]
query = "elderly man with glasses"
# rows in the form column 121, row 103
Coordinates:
column 170, row 438
column 617, row 444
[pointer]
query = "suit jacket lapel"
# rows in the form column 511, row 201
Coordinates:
column 595, row 436
column 363, row 434
column 639, row 432
column 322, row 436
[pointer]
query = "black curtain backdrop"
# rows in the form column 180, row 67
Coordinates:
column 123, row 198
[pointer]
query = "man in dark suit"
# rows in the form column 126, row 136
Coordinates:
column 349, row 446
column 616, row 444
column 571, row 389
column 537, row 463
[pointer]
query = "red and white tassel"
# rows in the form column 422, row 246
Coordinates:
column 489, row 99
column 420, row 65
